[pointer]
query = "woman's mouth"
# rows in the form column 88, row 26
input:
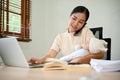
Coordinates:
column 73, row 27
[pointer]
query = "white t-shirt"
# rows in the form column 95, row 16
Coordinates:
column 66, row 42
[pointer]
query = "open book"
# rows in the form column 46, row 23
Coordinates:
column 56, row 64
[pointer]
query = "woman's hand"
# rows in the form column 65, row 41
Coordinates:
column 36, row 60
column 51, row 54
column 84, row 60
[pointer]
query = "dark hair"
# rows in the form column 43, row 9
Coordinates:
column 81, row 9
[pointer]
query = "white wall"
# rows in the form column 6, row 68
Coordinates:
column 50, row 17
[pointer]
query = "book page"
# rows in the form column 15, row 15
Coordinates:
column 55, row 64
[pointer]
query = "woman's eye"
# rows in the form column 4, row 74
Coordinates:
column 81, row 22
column 74, row 18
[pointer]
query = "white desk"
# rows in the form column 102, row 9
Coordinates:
column 15, row 73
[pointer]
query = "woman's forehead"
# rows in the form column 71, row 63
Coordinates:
column 80, row 16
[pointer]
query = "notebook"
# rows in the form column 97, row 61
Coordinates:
column 12, row 54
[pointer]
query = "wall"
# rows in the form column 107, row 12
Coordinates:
column 50, row 17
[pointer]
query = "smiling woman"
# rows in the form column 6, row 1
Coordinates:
column 15, row 19
column 77, row 34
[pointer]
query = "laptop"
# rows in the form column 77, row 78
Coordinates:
column 12, row 54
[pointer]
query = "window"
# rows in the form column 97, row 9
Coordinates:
column 15, row 19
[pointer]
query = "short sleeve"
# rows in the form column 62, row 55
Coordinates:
column 87, row 34
column 56, row 44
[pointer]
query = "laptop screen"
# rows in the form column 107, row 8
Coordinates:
column 11, row 53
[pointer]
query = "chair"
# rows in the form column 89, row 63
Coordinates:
column 98, row 32
column 108, row 56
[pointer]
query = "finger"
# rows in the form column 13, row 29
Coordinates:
column 38, row 61
column 31, row 60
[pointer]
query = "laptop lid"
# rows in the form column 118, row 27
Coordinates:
column 11, row 53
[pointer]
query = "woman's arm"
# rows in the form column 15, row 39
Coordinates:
column 86, row 59
column 51, row 54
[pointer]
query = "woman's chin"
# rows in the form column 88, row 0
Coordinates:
column 72, row 30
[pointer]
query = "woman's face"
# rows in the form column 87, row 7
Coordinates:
column 77, row 20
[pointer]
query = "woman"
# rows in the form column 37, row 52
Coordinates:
column 77, row 34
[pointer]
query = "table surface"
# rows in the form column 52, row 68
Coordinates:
column 71, row 73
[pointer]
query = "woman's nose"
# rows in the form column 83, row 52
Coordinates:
column 75, row 23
